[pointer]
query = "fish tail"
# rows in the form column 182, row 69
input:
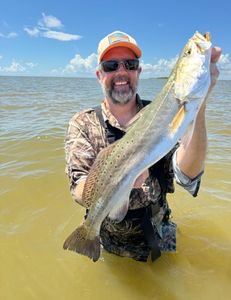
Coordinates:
column 79, row 242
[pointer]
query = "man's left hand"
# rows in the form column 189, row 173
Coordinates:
column 214, row 73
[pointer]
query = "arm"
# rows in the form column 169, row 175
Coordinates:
column 191, row 153
column 80, row 155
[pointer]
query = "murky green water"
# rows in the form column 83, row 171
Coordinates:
column 37, row 212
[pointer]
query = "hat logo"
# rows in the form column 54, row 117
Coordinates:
column 118, row 37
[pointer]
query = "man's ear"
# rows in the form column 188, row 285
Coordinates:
column 139, row 70
column 98, row 74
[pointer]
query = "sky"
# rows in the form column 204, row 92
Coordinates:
column 60, row 38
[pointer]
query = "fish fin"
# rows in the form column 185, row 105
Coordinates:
column 119, row 211
column 79, row 242
column 96, row 169
column 177, row 120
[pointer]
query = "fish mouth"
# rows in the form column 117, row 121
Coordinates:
column 203, row 42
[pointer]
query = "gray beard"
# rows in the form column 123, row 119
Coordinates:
column 120, row 97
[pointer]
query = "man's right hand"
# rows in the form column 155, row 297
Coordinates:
column 78, row 192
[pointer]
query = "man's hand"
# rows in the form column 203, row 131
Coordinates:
column 191, row 153
column 214, row 73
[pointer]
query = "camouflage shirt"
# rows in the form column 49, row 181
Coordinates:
column 84, row 140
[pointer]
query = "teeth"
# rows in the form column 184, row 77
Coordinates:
column 121, row 83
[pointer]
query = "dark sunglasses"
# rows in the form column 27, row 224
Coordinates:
column 113, row 65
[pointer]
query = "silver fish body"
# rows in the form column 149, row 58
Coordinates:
column 153, row 133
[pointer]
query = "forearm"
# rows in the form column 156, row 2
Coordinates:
column 192, row 152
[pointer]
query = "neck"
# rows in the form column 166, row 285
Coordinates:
column 122, row 112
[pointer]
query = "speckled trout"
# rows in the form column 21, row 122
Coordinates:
column 154, row 131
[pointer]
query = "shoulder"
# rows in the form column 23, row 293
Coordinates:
column 86, row 124
column 82, row 114
column 84, row 118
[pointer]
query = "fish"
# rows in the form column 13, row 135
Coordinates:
column 153, row 132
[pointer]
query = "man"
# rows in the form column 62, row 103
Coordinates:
column 146, row 228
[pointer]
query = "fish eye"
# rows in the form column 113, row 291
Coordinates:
column 188, row 52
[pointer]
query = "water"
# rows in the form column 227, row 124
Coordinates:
column 37, row 212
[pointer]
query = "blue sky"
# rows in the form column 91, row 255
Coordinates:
column 60, row 38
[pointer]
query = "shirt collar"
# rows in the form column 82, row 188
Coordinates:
column 111, row 118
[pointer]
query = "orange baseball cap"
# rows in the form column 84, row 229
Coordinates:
column 117, row 39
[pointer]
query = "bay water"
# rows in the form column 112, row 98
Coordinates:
column 37, row 212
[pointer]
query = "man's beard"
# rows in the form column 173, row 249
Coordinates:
column 120, row 96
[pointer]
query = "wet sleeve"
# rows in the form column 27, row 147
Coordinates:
column 191, row 185
column 79, row 152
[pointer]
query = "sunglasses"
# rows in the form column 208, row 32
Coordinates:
column 113, row 65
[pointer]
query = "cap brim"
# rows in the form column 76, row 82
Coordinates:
column 131, row 46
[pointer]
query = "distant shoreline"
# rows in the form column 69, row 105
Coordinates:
column 76, row 77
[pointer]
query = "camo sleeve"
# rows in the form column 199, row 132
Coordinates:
column 84, row 140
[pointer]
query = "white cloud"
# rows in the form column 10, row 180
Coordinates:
column 32, row 32
column 50, row 22
column 16, row 67
column 9, row 35
column 12, row 35
column 162, row 68
column 61, row 36
column 81, row 65
column 13, row 68
column 224, row 66
column 224, row 62
column 44, row 26
column 31, row 65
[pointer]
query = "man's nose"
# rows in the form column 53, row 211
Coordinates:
column 121, row 67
